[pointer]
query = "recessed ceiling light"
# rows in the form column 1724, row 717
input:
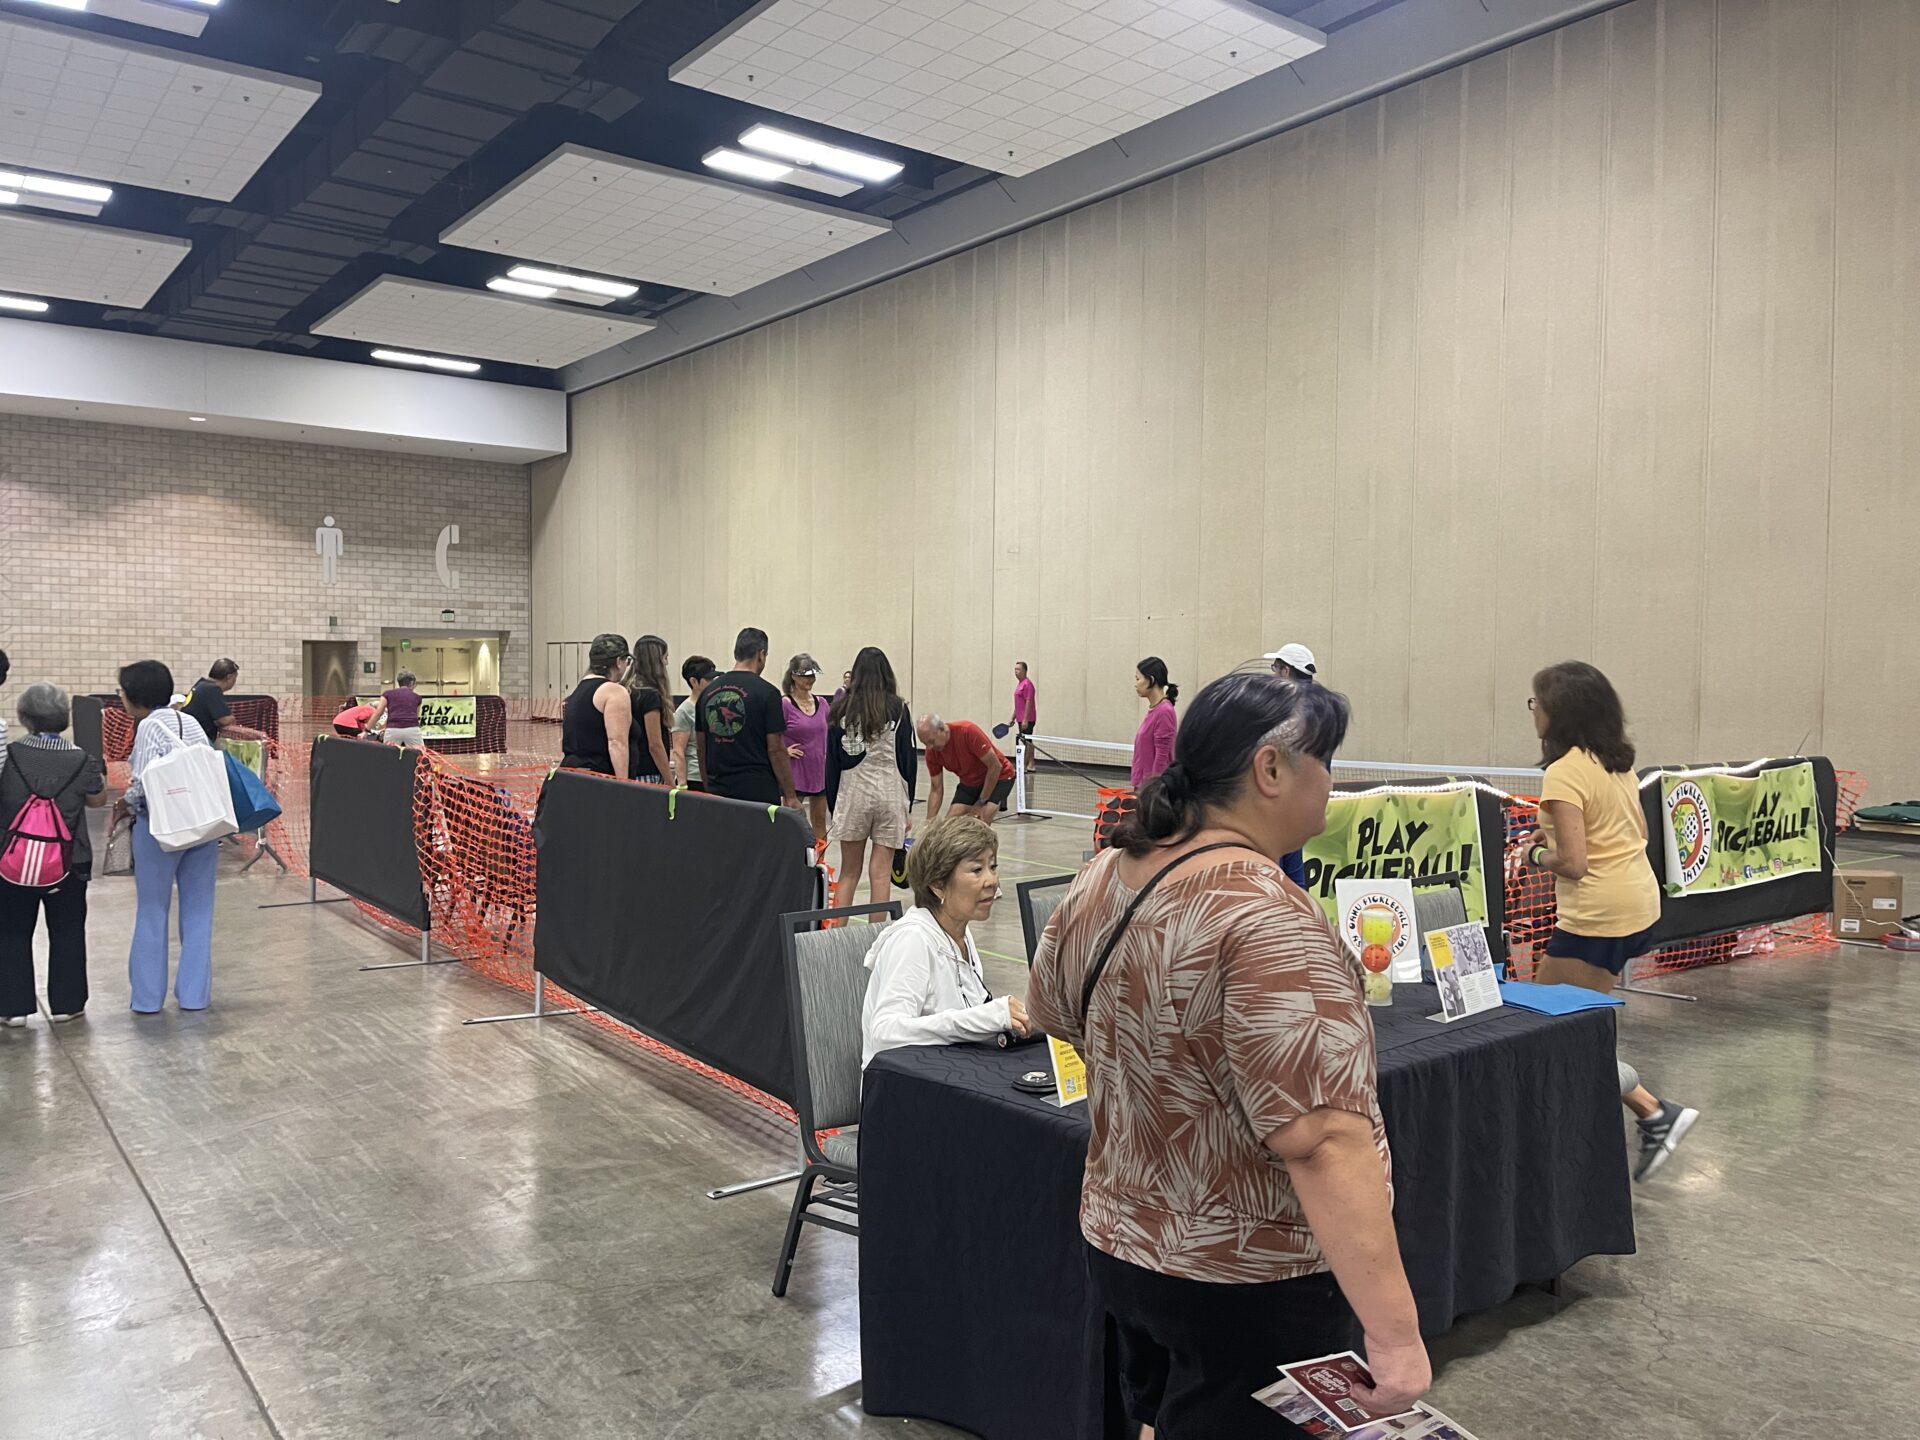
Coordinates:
column 432, row 362
column 62, row 4
column 198, row 419
column 520, row 287
column 802, row 151
column 9, row 197
column 751, row 167
column 561, row 280
column 23, row 305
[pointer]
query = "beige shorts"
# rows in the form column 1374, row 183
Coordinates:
column 868, row 813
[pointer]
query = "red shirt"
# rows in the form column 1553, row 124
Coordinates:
column 968, row 752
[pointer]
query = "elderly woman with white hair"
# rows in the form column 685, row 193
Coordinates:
column 42, row 763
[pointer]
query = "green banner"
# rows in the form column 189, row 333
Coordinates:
column 1725, row 831
column 448, row 717
column 1389, row 835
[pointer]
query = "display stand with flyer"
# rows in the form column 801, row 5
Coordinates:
column 1069, row 1073
column 1317, row 1396
column 1463, row 971
column 1376, row 923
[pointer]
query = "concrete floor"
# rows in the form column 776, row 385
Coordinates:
column 323, row 1208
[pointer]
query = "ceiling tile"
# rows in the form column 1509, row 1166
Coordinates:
column 70, row 260
column 120, row 112
column 586, row 210
column 965, row 51
column 476, row 324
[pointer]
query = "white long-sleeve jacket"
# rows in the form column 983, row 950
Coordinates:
column 922, row 991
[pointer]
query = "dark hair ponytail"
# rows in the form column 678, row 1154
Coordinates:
column 1154, row 669
column 1230, row 720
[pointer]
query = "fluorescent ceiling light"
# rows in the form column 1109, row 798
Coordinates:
column 198, row 419
column 23, row 305
column 750, row 167
column 520, row 287
column 48, row 185
column 8, row 197
column 432, row 362
column 62, row 4
column 561, row 280
column 802, row 151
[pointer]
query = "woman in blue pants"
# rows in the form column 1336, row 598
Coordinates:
column 146, row 689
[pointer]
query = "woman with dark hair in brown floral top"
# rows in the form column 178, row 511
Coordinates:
column 1238, row 1154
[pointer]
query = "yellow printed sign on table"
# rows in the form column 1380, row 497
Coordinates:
column 1069, row 1072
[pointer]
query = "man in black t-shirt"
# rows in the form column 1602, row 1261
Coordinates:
column 208, row 703
column 742, row 730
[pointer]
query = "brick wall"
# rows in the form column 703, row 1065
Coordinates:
column 119, row 543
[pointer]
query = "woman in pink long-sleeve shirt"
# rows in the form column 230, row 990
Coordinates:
column 1153, row 743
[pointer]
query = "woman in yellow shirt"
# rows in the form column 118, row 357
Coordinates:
column 1594, row 840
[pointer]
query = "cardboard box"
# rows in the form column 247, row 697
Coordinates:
column 1867, row 904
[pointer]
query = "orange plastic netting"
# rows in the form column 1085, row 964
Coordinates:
column 473, row 828
column 473, row 831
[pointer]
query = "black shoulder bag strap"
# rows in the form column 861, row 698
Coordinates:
column 1106, row 951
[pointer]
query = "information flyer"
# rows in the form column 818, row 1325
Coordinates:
column 1317, row 1396
column 1463, row 969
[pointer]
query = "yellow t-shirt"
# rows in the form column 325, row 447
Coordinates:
column 1619, row 895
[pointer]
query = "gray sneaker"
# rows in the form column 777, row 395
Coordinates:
column 1661, row 1135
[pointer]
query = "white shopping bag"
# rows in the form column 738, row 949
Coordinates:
column 189, row 801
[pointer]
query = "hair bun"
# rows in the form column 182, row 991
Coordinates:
column 1177, row 783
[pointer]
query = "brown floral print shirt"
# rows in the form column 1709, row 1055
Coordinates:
column 1227, row 1010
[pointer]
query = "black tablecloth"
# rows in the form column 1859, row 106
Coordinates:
column 1509, row 1165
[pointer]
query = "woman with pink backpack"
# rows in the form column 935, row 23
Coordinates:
column 46, row 783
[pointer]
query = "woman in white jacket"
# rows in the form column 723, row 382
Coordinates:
column 927, row 986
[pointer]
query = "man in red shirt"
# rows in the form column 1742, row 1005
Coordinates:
column 983, row 776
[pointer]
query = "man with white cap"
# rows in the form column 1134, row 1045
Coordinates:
column 1292, row 661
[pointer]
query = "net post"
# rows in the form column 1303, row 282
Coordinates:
column 539, row 1011
column 1632, row 987
column 426, row 958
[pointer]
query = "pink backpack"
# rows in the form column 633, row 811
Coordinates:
column 38, row 843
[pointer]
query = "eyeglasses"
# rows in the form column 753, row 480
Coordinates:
column 1532, row 703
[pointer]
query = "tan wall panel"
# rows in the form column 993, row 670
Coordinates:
column 1658, row 312
column 1551, row 365
column 1303, row 367
column 1872, row 689
column 1571, row 352
column 1461, row 579
column 1772, row 377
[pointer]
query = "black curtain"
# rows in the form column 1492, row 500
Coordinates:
column 663, row 909
column 360, row 801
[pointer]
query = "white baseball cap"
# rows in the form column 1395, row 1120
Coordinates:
column 1297, row 656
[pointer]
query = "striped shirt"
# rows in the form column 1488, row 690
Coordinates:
column 160, row 733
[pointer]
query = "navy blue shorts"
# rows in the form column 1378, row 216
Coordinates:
column 1610, row 953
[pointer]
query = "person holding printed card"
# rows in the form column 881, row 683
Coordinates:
column 1237, row 1205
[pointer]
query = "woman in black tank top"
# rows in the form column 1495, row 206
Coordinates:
column 583, row 726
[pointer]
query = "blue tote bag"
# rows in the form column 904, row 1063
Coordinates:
column 253, row 804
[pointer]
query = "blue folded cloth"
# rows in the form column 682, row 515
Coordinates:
column 1554, row 999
